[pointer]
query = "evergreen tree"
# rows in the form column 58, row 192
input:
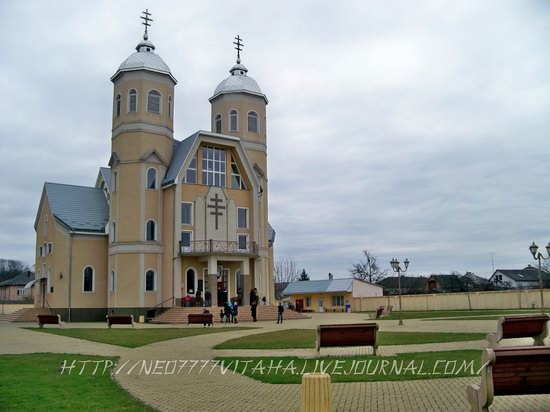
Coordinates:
column 304, row 275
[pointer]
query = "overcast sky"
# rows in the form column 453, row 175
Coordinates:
column 412, row 129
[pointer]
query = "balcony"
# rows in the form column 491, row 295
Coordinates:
column 218, row 247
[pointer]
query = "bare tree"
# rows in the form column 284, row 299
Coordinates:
column 286, row 270
column 368, row 269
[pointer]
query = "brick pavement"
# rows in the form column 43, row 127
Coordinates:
column 196, row 391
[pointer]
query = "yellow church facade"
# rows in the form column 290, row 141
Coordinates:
column 168, row 219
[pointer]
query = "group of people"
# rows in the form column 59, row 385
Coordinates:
column 230, row 312
column 198, row 299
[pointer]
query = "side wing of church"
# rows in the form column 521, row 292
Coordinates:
column 168, row 219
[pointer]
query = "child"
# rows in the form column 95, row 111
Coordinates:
column 235, row 312
column 221, row 315
column 228, row 312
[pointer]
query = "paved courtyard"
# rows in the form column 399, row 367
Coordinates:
column 210, row 390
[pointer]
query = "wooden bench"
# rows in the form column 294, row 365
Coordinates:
column 351, row 334
column 529, row 326
column 49, row 320
column 520, row 370
column 120, row 320
column 198, row 318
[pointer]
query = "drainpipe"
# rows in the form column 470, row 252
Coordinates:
column 70, row 273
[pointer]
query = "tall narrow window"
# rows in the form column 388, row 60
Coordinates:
column 151, row 178
column 242, row 218
column 88, row 279
column 237, row 181
column 186, row 213
column 114, row 182
column 153, row 102
column 170, row 106
column 186, row 238
column 190, row 281
column 113, row 232
column 150, row 281
column 151, row 230
column 233, row 121
column 117, row 105
column 132, row 101
column 253, row 122
column 213, row 166
column 218, row 123
column 243, row 239
column 112, row 282
column 191, row 172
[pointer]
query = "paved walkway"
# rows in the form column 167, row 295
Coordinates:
column 196, row 390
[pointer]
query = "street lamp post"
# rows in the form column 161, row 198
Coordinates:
column 395, row 265
column 538, row 256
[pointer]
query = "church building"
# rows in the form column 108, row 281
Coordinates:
column 168, row 218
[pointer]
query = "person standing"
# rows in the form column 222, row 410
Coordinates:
column 207, row 298
column 235, row 312
column 198, row 298
column 280, row 310
column 227, row 309
column 253, row 308
column 252, row 296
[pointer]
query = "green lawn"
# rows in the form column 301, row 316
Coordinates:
column 456, row 313
column 34, row 383
column 305, row 338
column 409, row 366
column 133, row 338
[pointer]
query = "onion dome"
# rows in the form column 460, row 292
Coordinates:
column 238, row 82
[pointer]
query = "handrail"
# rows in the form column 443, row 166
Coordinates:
column 47, row 304
column 156, row 306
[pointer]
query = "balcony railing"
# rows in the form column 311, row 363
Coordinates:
column 218, row 246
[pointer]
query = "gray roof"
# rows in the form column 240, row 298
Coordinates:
column 528, row 274
column 181, row 151
column 81, row 208
column 106, row 174
column 238, row 82
column 270, row 233
column 319, row 286
column 19, row 280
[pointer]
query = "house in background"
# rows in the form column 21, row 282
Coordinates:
column 409, row 285
column 526, row 278
column 329, row 294
column 13, row 290
column 444, row 284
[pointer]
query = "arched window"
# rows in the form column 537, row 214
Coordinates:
column 191, row 281
column 151, row 178
column 112, row 282
column 233, row 121
column 113, row 232
column 132, row 101
column 218, row 122
column 153, row 102
column 114, row 182
column 253, row 122
column 150, row 281
column 238, row 282
column 117, row 105
column 170, row 106
column 88, row 279
column 151, row 230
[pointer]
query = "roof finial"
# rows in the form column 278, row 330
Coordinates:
column 238, row 48
column 146, row 21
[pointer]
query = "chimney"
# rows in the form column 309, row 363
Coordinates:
column 330, row 276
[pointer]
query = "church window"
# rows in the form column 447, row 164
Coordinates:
column 113, row 232
column 186, row 238
column 186, row 213
column 253, row 122
column 213, row 166
column 132, row 101
column 242, row 218
column 243, row 239
column 88, row 279
column 233, row 121
column 191, row 172
column 50, row 248
column 114, row 182
column 237, row 181
column 218, row 123
column 112, row 282
column 153, row 102
column 190, row 281
column 150, row 281
column 170, row 106
column 117, row 105
column 151, row 178
column 151, row 230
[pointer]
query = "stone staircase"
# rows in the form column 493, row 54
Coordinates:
column 23, row 315
column 263, row 313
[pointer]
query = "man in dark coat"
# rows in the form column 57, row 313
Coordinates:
column 280, row 310
column 253, row 307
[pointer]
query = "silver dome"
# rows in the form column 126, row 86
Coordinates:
column 238, row 82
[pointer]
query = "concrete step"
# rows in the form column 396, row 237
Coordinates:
column 24, row 315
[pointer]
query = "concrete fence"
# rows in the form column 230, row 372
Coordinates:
column 504, row 299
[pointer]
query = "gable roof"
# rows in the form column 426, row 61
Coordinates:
column 528, row 274
column 270, row 233
column 181, row 151
column 80, row 208
column 407, row 282
column 319, row 286
column 20, row 280
column 446, row 280
column 106, row 174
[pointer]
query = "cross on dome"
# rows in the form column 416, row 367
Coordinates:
column 145, row 22
column 238, row 47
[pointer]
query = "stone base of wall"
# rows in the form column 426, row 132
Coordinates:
column 97, row 314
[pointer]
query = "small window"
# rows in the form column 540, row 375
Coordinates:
column 191, row 172
column 112, row 282
column 40, row 251
column 151, row 230
column 50, row 248
column 20, row 292
column 337, row 301
column 242, row 218
column 132, row 101
column 308, row 302
column 113, row 232
column 186, row 238
column 237, row 181
column 88, row 281
column 170, row 106
column 153, row 102
column 186, row 213
column 243, row 240
column 117, row 105
column 150, row 281
column 151, row 178
column 253, row 122
column 114, row 182
column 233, row 121
column 218, row 123
column 190, row 281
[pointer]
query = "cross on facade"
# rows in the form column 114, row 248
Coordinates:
column 217, row 207
column 239, row 47
column 146, row 20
